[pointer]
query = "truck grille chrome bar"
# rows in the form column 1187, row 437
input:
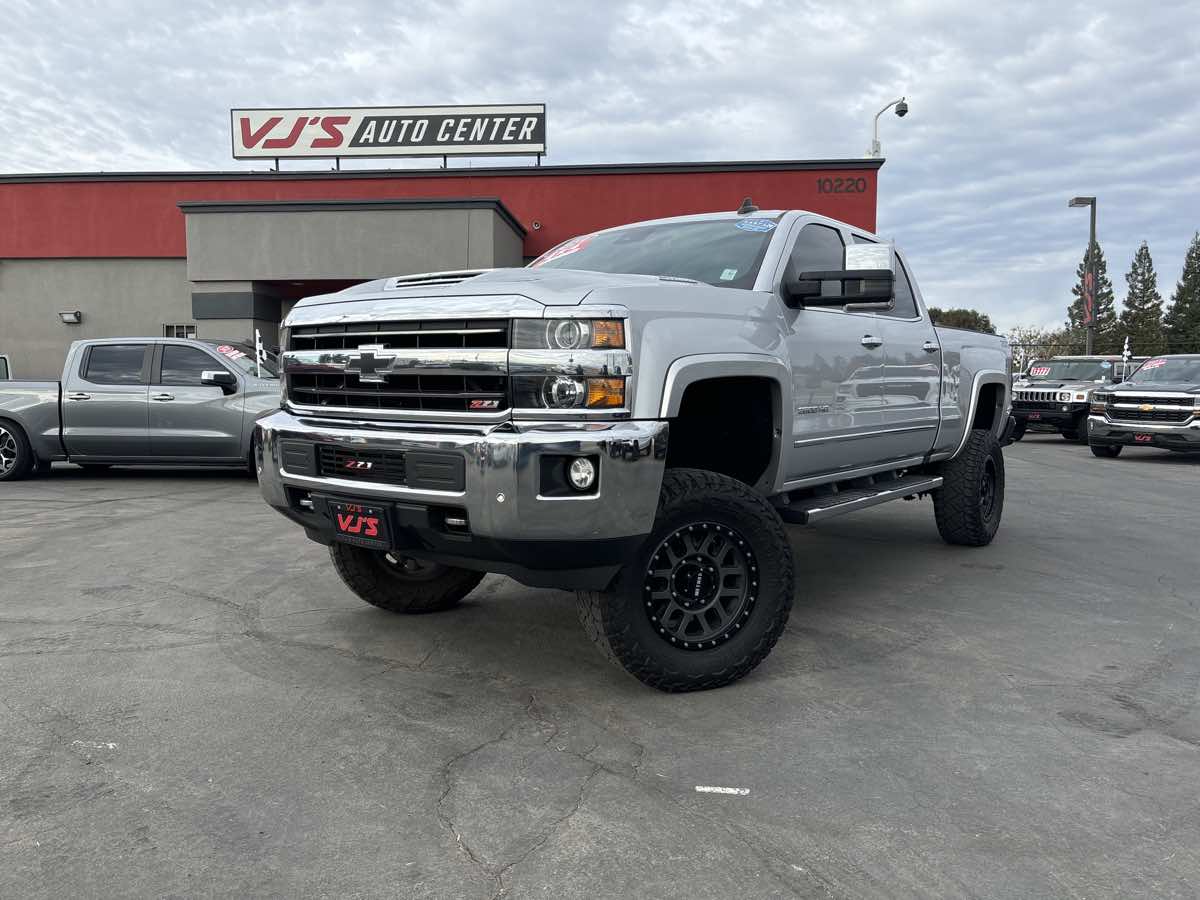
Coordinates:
column 430, row 366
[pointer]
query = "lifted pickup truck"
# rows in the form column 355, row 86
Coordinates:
column 1054, row 395
column 143, row 401
column 635, row 416
column 1157, row 406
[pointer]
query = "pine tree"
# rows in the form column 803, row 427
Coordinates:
column 1142, row 317
column 1182, row 320
column 1107, row 339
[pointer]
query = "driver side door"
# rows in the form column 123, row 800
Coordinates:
column 190, row 420
column 837, row 360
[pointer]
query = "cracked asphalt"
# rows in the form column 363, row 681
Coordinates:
column 191, row 704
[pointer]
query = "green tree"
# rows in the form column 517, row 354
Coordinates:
column 1107, row 337
column 1182, row 320
column 962, row 318
column 1142, row 317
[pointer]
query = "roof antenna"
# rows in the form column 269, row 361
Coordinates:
column 747, row 207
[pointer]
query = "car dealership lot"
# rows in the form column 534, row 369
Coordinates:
column 192, row 703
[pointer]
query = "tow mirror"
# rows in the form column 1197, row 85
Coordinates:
column 867, row 281
column 221, row 378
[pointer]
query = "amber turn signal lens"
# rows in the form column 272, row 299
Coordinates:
column 608, row 333
column 605, row 393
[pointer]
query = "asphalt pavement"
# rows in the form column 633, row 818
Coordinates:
column 191, row 704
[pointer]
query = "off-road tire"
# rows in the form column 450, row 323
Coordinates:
column 967, row 514
column 1018, row 431
column 619, row 622
column 1106, row 451
column 16, row 456
column 375, row 578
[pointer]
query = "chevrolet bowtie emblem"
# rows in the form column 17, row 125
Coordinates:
column 370, row 362
column 1146, row 407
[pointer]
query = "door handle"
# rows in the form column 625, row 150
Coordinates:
column 930, row 347
column 78, row 395
column 162, row 396
column 871, row 342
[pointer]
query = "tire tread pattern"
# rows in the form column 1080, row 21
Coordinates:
column 956, row 502
column 369, row 579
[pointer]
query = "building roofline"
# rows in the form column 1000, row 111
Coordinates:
column 201, row 207
column 666, row 168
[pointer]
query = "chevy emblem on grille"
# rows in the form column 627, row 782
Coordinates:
column 1146, row 407
column 370, row 363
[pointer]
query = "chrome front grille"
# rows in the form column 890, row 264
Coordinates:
column 444, row 366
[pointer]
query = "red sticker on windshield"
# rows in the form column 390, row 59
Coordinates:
column 565, row 249
column 1040, row 370
column 1154, row 363
column 231, row 352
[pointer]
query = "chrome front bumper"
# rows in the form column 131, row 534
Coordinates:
column 512, row 526
column 1182, row 435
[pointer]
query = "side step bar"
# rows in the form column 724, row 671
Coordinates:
column 814, row 509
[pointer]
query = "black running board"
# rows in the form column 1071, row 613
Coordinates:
column 814, row 509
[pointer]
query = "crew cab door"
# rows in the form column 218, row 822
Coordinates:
column 912, row 374
column 837, row 370
column 190, row 420
column 104, row 405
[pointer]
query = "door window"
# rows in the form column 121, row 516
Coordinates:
column 819, row 248
column 115, row 364
column 183, row 366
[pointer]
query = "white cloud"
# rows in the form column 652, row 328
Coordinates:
column 1015, row 106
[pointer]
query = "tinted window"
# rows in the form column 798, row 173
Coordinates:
column 818, row 248
column 242, row 357
column 720, row 252
column 906, row 303
column 184, row 365
column 3, row 368
column 115, row 364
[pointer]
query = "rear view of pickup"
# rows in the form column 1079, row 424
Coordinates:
column 138, row 401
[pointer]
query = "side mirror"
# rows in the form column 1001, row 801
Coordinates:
column 221, row 378
column 857, row 289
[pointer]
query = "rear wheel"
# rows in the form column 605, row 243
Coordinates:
column 706, row 597
column 970, row 501
column 1106, row 451
column 400, row 583
column 16, row 457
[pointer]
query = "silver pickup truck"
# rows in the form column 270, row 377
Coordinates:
column 635, row 415
column 1157, row 406
column 143, row 401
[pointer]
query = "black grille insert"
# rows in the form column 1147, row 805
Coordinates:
column 386, row 466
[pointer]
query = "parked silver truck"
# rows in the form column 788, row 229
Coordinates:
column 636, row 416
column 1157, row 406
column 138, row 401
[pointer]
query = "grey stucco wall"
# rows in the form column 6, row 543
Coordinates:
column 336, row 244
column 118, row 298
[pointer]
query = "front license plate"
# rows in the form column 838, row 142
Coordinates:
column 358, row 523
column 1035, row 415
column 1144, row 438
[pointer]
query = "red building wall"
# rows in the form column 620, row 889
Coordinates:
column 136, row 215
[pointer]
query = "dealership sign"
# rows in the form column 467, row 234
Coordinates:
column 389, row 131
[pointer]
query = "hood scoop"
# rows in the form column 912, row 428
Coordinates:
column 432, row 279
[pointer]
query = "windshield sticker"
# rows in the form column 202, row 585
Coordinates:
column 1106, row 365
column 1039, row 371
column 231, row 352
column 759, row 225
column 728, row 274
column 1154, row 364
column 565, row 249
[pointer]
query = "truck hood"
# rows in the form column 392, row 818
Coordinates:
column 547, row 287
column 1056, row 385
column 1152, row 387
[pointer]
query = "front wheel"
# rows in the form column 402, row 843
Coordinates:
column 399, row 583
column 1106, row 451
column 1018, row 431
column 708, row 594
column 970, row 501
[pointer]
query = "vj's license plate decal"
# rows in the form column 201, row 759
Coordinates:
column 357, row 523
column 1035, row 415
column 1143, row 438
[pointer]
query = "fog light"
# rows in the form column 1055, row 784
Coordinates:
column 581, row 473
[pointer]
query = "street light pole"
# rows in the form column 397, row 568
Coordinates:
column 1092, row 282
column 901, row 105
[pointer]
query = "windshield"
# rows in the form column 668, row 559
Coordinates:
column 242, row 356
column 1071, row 370
column 1185, row 370
column 723, row 252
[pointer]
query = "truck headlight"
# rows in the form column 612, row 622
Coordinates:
column 1064, row 396
column 564, row 392
column 568, row 334
column 1098, row 402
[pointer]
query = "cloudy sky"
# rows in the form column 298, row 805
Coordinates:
column 1016, row 107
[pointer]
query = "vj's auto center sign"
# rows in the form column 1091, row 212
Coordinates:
column 389, row 131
